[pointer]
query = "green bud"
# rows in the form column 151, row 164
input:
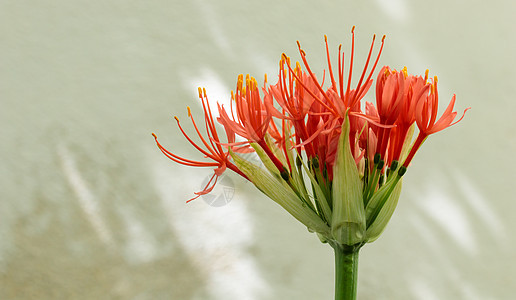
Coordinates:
column 377, row 157
column 402, row 171
column 285, row 175
column 394, row 165
column 380, row 164
column 315, row 163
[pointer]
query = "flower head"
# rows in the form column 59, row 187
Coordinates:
column 210, row 146
column 426, row 117
column 332, row 162
column 252, row 120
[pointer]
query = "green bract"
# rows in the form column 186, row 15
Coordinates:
column 381, row 207
column 348, row 223
column 278, row 190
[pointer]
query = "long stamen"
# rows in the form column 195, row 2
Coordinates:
column 210, row 155
column 332, row 110
column 333, row 83
column 341, row 72
column 197, row 130
column 357, row 89
column 362, row 90
column 350, row 64
column 180, row 159
column 305, row 62
column 208, row 120
column 282, row 83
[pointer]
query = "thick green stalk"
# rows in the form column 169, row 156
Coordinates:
column 346, row 272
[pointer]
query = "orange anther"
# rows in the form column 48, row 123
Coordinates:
column 405, row 73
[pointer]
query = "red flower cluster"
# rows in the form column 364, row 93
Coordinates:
column 299, row 112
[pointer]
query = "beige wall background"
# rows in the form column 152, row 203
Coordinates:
column 90, row 209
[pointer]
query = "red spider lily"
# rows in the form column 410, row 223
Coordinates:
column 346, row 185
column 298, row 112
column 251, row 121
column 295, row 103
column 390, row 93
column 368, row 139
column 212, row 147
column 426, row 118
column 416, row 89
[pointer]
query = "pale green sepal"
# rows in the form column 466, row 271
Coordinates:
column 319, row 194
column 405, row 149
column 267, row 162
column 377, row 227
column 322, row 238
column 348, row 220
column 275, row 150
column 271, row 167
column 378, row 200
column 297, row 178
column 408, row 145
column 276, row 189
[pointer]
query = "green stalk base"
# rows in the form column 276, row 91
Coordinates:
column 346, row 272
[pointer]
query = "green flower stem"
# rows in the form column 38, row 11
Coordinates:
column 346, row 272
